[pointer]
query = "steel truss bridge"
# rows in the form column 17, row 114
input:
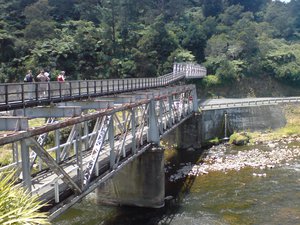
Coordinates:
column 95, row 127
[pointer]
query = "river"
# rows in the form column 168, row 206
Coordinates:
column 257, row 184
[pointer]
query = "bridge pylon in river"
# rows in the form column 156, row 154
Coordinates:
column 96, row 128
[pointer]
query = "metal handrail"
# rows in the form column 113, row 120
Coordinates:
column 19, row 95
column 249, row 102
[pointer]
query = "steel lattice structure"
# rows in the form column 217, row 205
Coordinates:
column 100, row 136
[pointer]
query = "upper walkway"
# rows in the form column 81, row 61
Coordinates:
column 20, row 95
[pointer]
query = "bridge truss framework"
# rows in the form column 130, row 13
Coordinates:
column 101, row 137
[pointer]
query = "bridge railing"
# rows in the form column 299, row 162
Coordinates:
column 229, row 103
column 16, row 95
column 190, row 70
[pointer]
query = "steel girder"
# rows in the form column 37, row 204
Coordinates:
column 110, row 137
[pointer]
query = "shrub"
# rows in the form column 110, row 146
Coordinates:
column 239, row 138
column 17, row 206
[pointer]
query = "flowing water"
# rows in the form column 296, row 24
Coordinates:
column 257, row 184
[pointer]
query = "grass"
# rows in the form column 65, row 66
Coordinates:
column 292, row 113
column 214, row 141
column 5, row 155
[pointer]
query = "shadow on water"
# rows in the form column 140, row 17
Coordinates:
column 175, row 192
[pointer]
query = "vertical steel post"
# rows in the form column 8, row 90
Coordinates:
column 22, row 92
column 57, row 143
column 49, row 90
column 15, row 153
column 56, row 191
column 25, row 166
column 95, row 87
column 78, row 149
column 153, row 132
column 195, row 100
column 171, row 119
column 36, row 91
column 70, row 86
column 87, row 89
column 6, row 94
column 183, row 103
column 161, row 126
column 111, row 138
column 79, row 88
column 40, row 163
column 60, row 93
column 86, row 133
column 133, row 131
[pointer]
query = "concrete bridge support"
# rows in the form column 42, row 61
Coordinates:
column 186, row 135
column 139, row 183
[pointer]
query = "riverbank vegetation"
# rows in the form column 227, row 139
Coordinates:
column 291, row 129
column 234, row 39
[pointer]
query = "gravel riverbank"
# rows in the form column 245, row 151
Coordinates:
column 263, row 154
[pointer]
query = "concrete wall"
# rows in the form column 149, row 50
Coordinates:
column 187, row 135
column 140, row 183
column 211, row 123
column 254, row 118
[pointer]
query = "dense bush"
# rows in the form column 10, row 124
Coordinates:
column 107, row 39
column 17, row 206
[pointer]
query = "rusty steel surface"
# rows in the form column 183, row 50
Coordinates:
column 19, row 135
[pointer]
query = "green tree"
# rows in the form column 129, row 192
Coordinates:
column 294, row 8
column 63, row 10
column 231, row 15
column 253, row 6
column 40, row 24
column 195, row 41
column 40, row 11
column 283, row 61
column 39, row 30
column 212, row 7
column 7, row 51
column 158, row 43
column 278, row 15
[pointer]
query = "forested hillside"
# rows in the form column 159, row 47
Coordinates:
column 95, row 39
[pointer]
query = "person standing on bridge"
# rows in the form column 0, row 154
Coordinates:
column 61, row 76
column 43, row 87
column 42, row 76
column 29, row 77
column 30, row 88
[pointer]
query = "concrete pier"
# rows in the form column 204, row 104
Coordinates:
column 140, row 183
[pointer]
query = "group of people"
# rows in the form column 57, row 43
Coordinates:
column 43, row 76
